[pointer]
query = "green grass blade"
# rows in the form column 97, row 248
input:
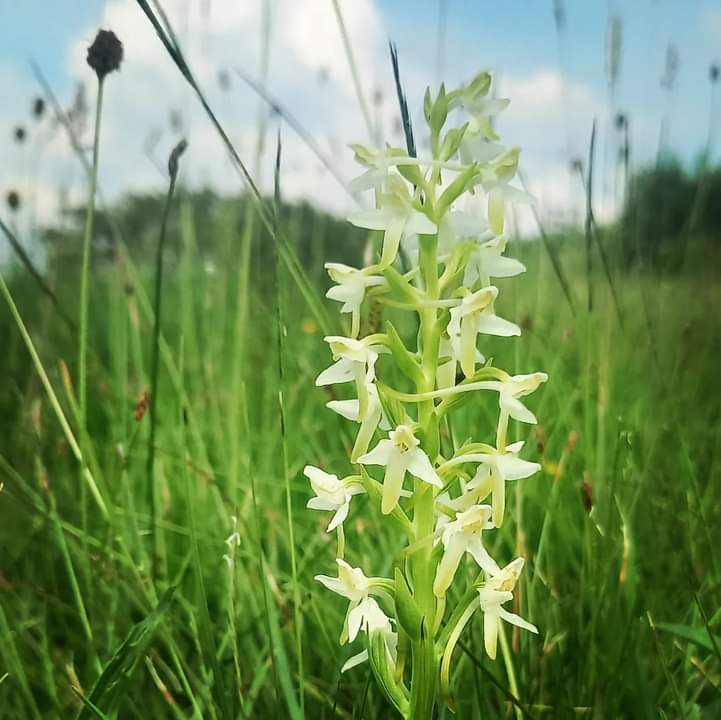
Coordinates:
column 111, row 687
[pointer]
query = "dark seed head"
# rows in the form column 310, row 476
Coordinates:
column 19, row 134
column 38, row 107
column 714, row 72
column 620, row 121
column 13, row 200
column 105, row 54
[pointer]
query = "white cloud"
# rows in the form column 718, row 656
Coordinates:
column 305, row 39
column 551, row 118
column 310, row 30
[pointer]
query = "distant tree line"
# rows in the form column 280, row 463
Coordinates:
column 215, row 224
column 666, row 207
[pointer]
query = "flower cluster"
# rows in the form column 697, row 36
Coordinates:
column 445, row 215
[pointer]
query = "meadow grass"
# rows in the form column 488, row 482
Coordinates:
column 188, row 592
column 620, row 528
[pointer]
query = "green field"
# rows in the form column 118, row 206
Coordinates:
column 621, row 529
column 157, row 559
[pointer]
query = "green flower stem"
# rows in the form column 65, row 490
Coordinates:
column 423, row 678
column 85, row 272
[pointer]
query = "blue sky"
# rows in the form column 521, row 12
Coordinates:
column 555, row 96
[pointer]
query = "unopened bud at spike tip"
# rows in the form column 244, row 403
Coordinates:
column 105, row 54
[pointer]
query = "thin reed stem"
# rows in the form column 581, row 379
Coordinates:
column 372, row 133
column 281, row 332
column 155, row 362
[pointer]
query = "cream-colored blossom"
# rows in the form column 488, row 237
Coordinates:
column 493, row 594
column 400, row 453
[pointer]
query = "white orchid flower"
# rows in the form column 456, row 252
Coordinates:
column 379, row 164
column 352, row 584
column 396, row 216
column 460, row 536
column 475, row 146
column 373, row 419
column 375, row 621
column 400, row 453
column 331, row 494
column 474, row 99
column 495, row 469
column 493, row 594
column 458, row 225
column 354, row 361
column 496, row 182
column 449, row 354
column 350, row 289
column 517, row 386
column 487, row 261
column 475, row 315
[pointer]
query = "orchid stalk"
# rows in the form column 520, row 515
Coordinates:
column 448, row 211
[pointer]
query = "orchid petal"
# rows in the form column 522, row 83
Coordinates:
column 418, row 223
column 393, row 481
column 496, row 209
column 514, row 468
column 317, row 503
column 341, row 371
column 482, row 557
column 419, row 465
column 354, row 661
column 380, row 454
column 490, row 324
column 517, row 620
column 490, row 633
column 371, row 219
column 449, row 563
column 340, row 516
column 345, row 408
column 516, row 409
column 355, row 619
column 333, row 584
column 498, row 266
